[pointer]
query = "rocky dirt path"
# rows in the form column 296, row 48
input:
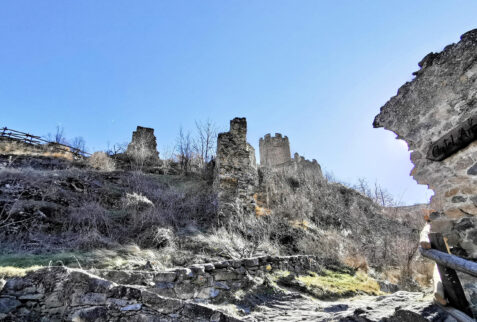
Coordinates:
column 400, row 306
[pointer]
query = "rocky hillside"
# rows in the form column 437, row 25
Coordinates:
column 164, row 231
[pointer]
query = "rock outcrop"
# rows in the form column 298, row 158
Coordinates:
column 236, row 172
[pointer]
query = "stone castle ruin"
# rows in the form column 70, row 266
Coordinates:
column 275, row 154
column 143, row 145
column 236, row 171
column 436, row 114
column 274, row 150
column 237, row 174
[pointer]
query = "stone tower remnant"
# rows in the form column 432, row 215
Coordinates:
column 275, row 154
column 274, row 150
column 436, row 114
column 236, row 171
column 143, row 145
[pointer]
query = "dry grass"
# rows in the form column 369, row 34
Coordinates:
column 342, row 284
column 11, row 271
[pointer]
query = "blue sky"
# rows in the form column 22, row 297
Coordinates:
column 317, row 71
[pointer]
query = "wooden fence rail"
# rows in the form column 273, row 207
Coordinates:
column 38, row 140
column 452, row 261
column 447, row 265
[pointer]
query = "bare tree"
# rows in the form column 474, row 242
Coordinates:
column 378, row 194
column 184, row 150
column 382, row 196
column 60, row 135
column 78, row 144
column 363, row 187
column 205, row 143
column 117, row 148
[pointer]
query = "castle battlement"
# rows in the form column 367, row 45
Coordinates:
column 276, row 139
column 274, row 150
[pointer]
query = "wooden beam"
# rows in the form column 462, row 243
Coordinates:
column 451, row 261
column 450, row 281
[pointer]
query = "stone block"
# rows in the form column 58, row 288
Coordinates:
column 165, row 276
column 164, row 285
column 249, row 262
column 209, row 267
column 88, row 299
column 197, row 269
column 241, row 270
column 207, row 293
column 132, row 307
column 8, row 304
column 236, row 264
column 32, row 297
column 185, row 290
column 222, row 285
column 200, row 280
column 223, row 264
column 225, row 276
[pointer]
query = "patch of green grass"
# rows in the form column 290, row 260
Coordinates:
column 125, row 257
column 329, row 284
column 31, row 260
column 340, row 284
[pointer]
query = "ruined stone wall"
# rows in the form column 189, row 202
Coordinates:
column 436, row 114
column 212, row 280
column 274, row 150
column 63, row 294
column 143, row 145
column 275, row 154
column 235, row 172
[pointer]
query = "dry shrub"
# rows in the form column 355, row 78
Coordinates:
column 423, row 271
column 357, row 261
column 156, row 237
column 90, row 226
column 137, row 201
column 101, row 161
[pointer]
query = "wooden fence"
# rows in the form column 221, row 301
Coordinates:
column 39, row 141
column 447, row 265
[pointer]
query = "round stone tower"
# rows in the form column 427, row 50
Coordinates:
column 274, row 150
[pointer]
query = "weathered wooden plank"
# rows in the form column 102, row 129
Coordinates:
column 450, row 281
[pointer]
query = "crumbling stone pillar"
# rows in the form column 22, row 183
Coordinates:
column 436, row 114
column 236, row 172
column 143, row 146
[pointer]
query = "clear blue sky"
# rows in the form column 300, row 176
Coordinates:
column 317, row 71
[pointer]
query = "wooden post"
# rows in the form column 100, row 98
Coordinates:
column 450, row 281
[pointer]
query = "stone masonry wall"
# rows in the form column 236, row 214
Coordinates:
column 436, row 114
column 143, row 144
column 274, row 150
column 63, row 294
column 212, row 280
column 235, row 172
